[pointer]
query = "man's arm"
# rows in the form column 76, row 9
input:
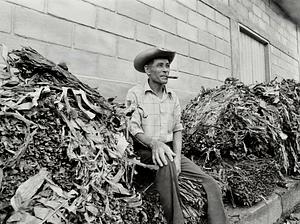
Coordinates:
column 177, row 146
column 177, row 136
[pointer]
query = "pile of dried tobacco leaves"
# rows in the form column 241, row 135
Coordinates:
column 64, row 152
column 248, row 136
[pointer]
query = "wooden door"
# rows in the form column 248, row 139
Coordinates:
column 252, row 60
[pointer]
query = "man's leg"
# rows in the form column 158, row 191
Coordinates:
column 216, row 213
column 167, row 186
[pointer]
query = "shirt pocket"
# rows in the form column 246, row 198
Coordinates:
column 144, row 114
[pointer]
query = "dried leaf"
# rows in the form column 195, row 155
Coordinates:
column 42, row 213
column 92, row 209
column 28, row 189
column 118, row 188
column 48, row 203
column 122, row 144
column 24, row 106
column 22, row 217
column 57, row 190
column 118, row 176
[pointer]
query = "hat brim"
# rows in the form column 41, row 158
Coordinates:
column 148, row 55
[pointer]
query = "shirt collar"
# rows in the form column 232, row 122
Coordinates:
column 147, row 88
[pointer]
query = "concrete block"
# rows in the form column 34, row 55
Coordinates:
column 266, row 18
column 227, row 62
column 223, row 73
column 223, row 46
column 265, row 212
column 220, row 45
column 79, row 62
column 275, row 51
column 128, row 49
column 206, row 39
column 163, row 21
column 192, row 4
column 242, row 10
column 185, row 97
column 5, row 21
column 226, row 2
column 141, row 77
column 32, row 4
column 107, row 4
column 114, row 23
column 158, row 4
column 223, row 20
column 191, row 83
column 197, row 20
column 199, row 52
column 262, row 24
column 185, row 82
column 116, row 69
column 148, row 34
column 177, row 44
column 177, row 10
column 257, row 11
column 188, row 65
column 215, row 29
column 134, row 9
column 74, row 10
column 46, row 28
column 17, row 42
column 174, row 65
column 187, row 31
column 206, row 10
column 226, row 34
column 108, row 88
column 248, row 4
column 208, row 70
column 94, row 40
column 253, row 18
column 216, row 58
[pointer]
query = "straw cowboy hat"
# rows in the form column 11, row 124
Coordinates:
column 149, row 54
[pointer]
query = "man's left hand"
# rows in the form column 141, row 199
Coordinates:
column 177, row 162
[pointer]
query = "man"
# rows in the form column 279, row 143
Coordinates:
column 156, row 125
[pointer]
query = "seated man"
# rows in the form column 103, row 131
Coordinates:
column 156, row 125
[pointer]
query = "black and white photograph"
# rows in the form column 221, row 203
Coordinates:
column 149, row 112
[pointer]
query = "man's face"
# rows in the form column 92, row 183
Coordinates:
column 158, row 71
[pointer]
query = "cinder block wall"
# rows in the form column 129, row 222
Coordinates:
column 98, row 39
column 265, row 18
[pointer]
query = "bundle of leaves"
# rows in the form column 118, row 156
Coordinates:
column 64, row 152
column 252, row 180
column 230, row 123
column 63, row 148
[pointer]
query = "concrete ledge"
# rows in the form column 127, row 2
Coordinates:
column 269, row 211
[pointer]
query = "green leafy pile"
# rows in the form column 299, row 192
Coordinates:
column 234, row 123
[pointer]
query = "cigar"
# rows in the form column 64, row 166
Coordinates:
column 172, row 77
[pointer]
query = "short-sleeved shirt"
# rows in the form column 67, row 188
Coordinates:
column 156, row 117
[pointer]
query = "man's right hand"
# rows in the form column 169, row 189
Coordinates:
column 159, row 152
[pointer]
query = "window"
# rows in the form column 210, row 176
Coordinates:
column 254, row 57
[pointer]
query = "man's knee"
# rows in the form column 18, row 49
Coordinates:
column 168, row 170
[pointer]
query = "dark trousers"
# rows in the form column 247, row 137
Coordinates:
column 167, row 186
